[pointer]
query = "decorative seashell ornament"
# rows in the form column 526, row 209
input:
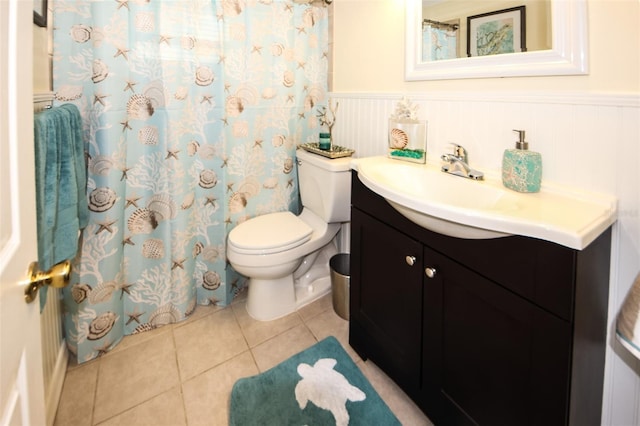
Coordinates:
column 197, row 249
column 237, row 202
column 164, row 315
column 210, row 253
column 204, row 76
column 248, row 94
column 80, row 33
column 269, row 93
column 288, row 78
column 310, row 16
column 233, row 106
column 211, row 280
column 181, row 93
column 187, row 42
column 101, row 325
column 139, row 107
column 102, row 199
column 143, row 328
column 102, row 292
column 207, row 151
column 399, row 138
column 148, row 135
column 232, row 7
column 188, row 201
column 270, row 183
column 100, row 71
column 80, row 292
column 288, row 165
column 101, row 165
column 163, row 206
column 208, row 179
column 142, row 221
column 278, row 140
column 153, row 248
column 191, row 307
column 277, row 49
column 250, row 186
column 155, row 93
column 316, row 93
column 69, row 93
column 192, row 148
column 240, row 129
column 145, row 22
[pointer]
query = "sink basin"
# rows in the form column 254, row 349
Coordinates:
column 466, row 208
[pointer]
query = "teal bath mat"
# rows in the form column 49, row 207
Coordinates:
column 318, row 387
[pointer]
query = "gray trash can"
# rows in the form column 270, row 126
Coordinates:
column 340, row 281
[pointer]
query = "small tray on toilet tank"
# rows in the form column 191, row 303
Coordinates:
column 335, row 151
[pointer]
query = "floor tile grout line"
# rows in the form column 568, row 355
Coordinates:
column 244, row 336
column 142, row 403
column 95, row 392
column 180, row 382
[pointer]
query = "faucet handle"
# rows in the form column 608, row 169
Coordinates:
column 458, row 151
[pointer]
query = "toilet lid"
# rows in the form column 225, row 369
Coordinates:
column 270, row 233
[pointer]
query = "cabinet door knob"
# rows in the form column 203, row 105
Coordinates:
column 411, row 260
column 431, row 272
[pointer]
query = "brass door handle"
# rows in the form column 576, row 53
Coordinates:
column 57, row 277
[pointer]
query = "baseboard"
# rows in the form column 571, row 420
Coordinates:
column 55, row 385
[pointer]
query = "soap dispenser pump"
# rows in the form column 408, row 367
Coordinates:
column 521, row 168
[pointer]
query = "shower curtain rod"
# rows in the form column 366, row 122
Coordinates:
column 442, row 24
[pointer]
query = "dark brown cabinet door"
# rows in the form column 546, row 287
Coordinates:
column 489, row 356
column 386, row 299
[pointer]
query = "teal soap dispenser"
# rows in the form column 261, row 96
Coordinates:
column 521, row 168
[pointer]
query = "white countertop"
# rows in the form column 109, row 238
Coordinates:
column 468, row 208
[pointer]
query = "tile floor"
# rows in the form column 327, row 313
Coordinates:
column 182, row 374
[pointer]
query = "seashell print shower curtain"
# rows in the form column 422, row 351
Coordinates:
column 439, row 43
column 192, row 110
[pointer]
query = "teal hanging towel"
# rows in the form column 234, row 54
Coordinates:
column 61, row 181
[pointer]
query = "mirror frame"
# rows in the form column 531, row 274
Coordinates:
column 568, row 55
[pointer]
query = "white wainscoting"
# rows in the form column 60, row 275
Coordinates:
column 586, row 140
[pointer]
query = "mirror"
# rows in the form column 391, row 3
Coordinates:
column 567, row 55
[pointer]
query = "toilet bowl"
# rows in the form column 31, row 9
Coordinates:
column 286, row 257
column 273, row 292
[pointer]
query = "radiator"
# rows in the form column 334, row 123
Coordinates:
column 54, row 350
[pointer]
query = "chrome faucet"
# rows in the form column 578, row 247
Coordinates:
column 458, row 164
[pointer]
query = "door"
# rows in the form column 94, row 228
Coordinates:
column 490, row 356
column 21, row 382
column 386, row 298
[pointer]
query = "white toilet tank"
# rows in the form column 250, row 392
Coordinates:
column 325, row 186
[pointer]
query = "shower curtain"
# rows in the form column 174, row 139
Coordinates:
column 192, row 110
column 439, row 43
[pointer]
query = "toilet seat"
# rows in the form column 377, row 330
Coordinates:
column 270, row 233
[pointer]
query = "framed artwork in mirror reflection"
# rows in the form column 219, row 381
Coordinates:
column 495, row 33
column 40, row 12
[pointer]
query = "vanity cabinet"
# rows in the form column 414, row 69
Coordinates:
column 505, row 331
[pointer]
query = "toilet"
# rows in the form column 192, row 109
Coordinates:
column 286, row 257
